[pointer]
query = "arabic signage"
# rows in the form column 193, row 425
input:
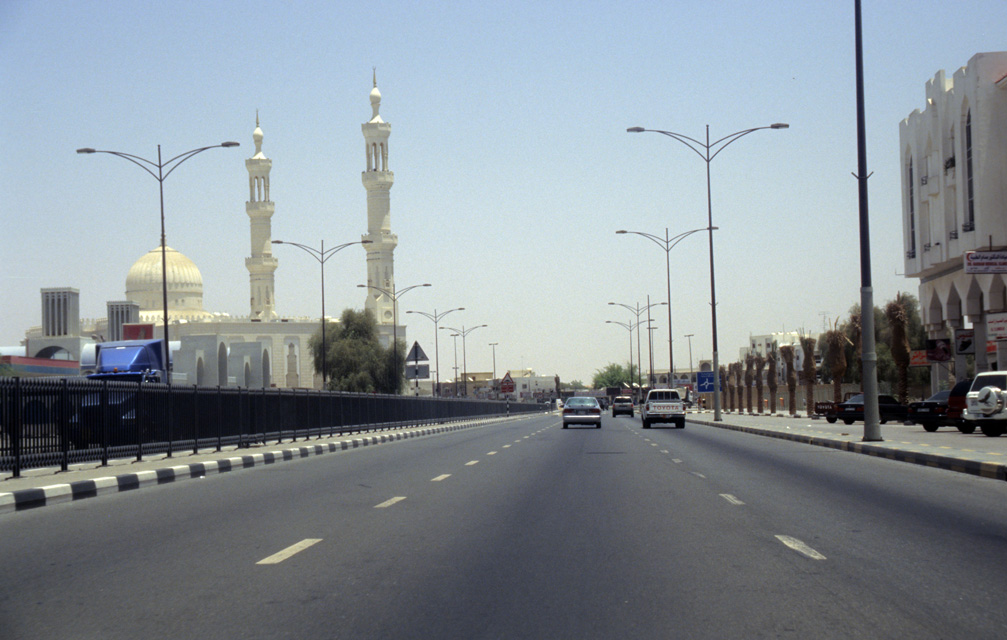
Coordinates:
column 996, row 326
column 985, row 261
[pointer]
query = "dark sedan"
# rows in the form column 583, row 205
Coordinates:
column 932, row 412
column 853, row 409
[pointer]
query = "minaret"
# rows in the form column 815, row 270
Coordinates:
column 260, row 210
column 378, row 182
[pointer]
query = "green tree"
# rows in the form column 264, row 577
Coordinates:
column 355, row 360
column 574, row 385
column 613, row 375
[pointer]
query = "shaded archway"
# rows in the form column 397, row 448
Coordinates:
column 222, row 365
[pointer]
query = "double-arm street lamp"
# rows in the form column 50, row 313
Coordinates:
column 629, row 326
column 394, row 295
column 708, row 151
column 164, row 169
column 636, row 311
column 667, row 243
column 465, row 372
column 322, row 255
column 436, row 317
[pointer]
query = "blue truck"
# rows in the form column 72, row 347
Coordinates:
column 130, row 361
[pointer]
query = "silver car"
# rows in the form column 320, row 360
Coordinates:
column 582, row 410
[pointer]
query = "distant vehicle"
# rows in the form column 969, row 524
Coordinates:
column 852, row 410
column 930, row 413
column 984, row 403
column 130, row 361
column 582, row 410
column 956, row 407
column 663, row 405
column 623, row 404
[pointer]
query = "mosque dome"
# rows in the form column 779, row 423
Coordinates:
column 184, row 284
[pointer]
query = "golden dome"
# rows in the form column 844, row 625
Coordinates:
column 185, row 286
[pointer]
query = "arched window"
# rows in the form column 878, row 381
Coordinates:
column 911, row 252
column 970, row 215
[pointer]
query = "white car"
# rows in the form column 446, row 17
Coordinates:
column 663, row 405
column 985, row 403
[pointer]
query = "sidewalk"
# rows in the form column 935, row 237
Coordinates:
column 946, row 448
column 48, row 485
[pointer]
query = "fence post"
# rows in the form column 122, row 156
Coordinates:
column 104, row 422
column 64, row 424
column 195, row 419
column 16, row 428
column 220, row 417
column 139, row 412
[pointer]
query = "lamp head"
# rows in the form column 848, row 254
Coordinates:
column 85, row 150
column 277, row 241
column 779, row 125
column 230, row 143
column 635, row 130
column 622, row 231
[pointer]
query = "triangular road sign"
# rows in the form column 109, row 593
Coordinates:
column 416, row 354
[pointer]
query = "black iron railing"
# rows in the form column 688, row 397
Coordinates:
column 58, row 422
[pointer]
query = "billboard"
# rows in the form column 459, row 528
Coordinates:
column 985, row 261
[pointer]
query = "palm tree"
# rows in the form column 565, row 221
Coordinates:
column 895, row 311
column 855, row 328
column 771, row 369
column 787, row 353
column 808, row 346
column 836, row 341
column 760, row 364
column 723, row 376
column 749, row 365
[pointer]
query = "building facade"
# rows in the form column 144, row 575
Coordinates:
column 953, row 156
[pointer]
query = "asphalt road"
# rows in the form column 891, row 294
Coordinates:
column 525, row 530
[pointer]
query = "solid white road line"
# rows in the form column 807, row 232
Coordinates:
column 388, row 503
column 441, row 477
column 731, row 499
column 280, row 556
column 800, row 547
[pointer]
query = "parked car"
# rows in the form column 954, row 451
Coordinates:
column 930, row 413
column 888, row 407
column 984, row 403
column 582, row 410
column 956, row 406
column 663, row 405
column 623, row 404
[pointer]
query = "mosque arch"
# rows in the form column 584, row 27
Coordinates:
column 200, row 372
column 54, row 352
column 247, row 378
column 266, row 373
column 222, row 365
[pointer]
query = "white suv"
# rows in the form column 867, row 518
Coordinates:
column 663, row 405
column 985, row 403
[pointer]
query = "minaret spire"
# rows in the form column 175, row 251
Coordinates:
column 378, row 182
column 260, row 209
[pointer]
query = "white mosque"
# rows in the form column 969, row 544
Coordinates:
column 263, row 349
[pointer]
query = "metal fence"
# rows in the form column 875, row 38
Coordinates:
column 48, row 422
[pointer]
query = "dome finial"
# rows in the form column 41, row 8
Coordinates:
column 375, row 71
column 256, row 117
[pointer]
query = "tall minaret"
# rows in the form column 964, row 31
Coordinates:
column 260, row 210
column 378, row 182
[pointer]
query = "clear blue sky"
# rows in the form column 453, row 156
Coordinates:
column 512, row 163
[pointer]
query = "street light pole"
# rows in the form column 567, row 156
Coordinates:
column 394, row 295
column 465, row 371
column 667, row 243
column 436, row 317
column 494, row 345
column 322, row 255
column 637, row 311
column 688, row 336
column 708, row 153
column 161, row 176
column 629, row 327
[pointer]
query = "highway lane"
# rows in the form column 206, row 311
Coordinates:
column 523, row 529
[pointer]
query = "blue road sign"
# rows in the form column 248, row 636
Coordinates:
column 704, row 381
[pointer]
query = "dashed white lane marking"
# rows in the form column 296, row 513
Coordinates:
column 280, row 556
column 390, row 502
column 676, row 461
column 441, row 477
column 491, row 453
column 731, row 499
column 664, row 451
column 653, row 444
column 506, row 446
column 471, row 462
column 800, row 547
column 698, row 474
